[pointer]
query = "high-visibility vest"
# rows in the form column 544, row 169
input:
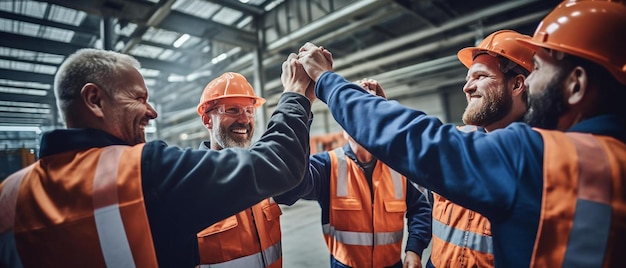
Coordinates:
column 363, row 232
column 583, row 210
column 77, row 209
column 460, row 237
column 250, row 238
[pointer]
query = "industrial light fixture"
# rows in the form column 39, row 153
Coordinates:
column 181, row 40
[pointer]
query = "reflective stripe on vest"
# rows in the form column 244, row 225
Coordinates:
column 342, row 173
column 592, row 220
column 364, row 230
column 363, row 239
column 360, row 238
column 250, row 238
column 269, row 256
column 461, row 238
column 113, row 240
column 342, row 176
column 9, row 256
column 109, row 239
column 578, row 199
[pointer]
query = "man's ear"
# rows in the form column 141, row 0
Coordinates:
column 92, row 97
column 207, row 121
column 576, row 85
column 518, row 84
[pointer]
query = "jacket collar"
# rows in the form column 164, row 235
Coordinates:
column 64, row 140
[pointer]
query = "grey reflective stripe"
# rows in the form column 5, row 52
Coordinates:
column 9, row 257
column 270, row 255
column 273, row 254
column 460, row 238
column 342, row 173
column 362, row 239
column 111, row 233
column 590, row 232
column 396, row 178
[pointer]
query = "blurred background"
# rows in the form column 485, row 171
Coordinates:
column 408, row 45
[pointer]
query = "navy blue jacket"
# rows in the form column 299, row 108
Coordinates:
column 499, row 175
column 186, row 190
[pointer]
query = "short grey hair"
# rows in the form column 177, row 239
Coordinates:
column 88, row 65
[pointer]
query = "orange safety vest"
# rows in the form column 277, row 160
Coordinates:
column 363, row 232
column 461, row 237
column 583, row 210
column 77, row 209
column 250, row 238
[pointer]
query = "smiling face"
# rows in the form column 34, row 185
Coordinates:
column 228, row 130
column 126, row 108
column 488, row 99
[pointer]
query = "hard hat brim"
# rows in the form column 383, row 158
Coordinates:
column 258, row 103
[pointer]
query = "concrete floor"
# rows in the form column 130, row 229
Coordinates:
column 303, row 243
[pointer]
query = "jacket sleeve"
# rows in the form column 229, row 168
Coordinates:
column 419, row 219
column 479, row 171
column 196, row 188
column 314, row 186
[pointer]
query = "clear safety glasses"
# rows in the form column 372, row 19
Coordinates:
column 233, row 110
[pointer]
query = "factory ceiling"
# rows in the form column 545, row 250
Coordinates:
column 408, row 45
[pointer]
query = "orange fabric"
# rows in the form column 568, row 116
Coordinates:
column 246, row 233
column 357, row 212
column 53, row 228
column 567, row 182
column 446, row 254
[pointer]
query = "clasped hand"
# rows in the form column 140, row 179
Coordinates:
column 301, row 71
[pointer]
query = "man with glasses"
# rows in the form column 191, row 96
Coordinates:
column 250, row 238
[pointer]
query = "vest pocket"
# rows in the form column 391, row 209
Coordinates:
column 395, row 206
column 346, row 204
column 272, row 211
column 224, row 225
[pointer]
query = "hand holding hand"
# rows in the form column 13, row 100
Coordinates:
column 295, row 78
column 372, row 86
column 315, row 60
column 412, row 260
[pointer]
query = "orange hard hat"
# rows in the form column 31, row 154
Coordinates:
column 503, row 43
column 592, row 30
column 227, row 85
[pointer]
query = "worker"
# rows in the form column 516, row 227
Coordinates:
column 252, row 237
column 363, row 205
column 101, row 196
column 554, row 194
column 496, row 96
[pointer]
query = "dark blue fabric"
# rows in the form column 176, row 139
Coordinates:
column 499, row 175
column 186, row 190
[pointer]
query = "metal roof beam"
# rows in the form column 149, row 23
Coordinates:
column 165, row 66
column 26, row 76
column 49, row 99
column 18, row 41
column 180, row 22
column 239, row 6
column 16, row 17
column 28, row 61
